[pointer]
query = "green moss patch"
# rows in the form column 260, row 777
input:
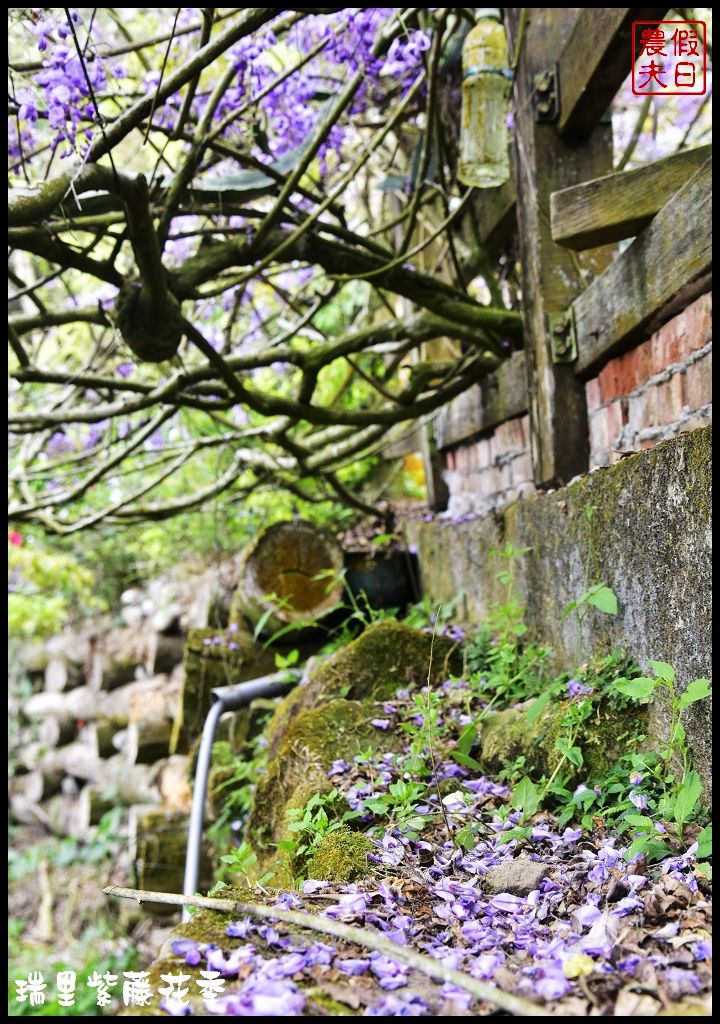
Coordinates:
column 313, row 740
column 386, row 657
column 341, row 857
column 603, row 738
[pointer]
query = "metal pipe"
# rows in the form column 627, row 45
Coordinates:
column 224, row 698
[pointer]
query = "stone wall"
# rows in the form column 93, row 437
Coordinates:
column 649, row 539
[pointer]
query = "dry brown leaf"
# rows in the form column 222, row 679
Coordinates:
column 630, row 1003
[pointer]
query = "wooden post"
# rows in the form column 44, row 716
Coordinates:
column 551, row 276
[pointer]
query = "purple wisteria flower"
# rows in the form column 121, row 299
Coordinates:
column 338, row 767
column 189, row 949
column 350, row 904
column 639, row 800
column 353, row 967
column 239, row 929
column 174, row 1007
column 391, row 973
column 578, row 689
column 260, row 997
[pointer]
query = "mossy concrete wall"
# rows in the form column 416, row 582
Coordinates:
column 648, row 538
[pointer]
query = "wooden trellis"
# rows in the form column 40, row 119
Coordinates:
column 582, row 301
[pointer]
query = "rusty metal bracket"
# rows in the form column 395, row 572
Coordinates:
column 563, row 341
column 546, row 99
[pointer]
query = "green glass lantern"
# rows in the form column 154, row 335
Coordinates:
column 483, row 159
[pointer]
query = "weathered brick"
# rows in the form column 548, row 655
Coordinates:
column 462, row 458
column 628, row 371
column 616, row 419
column 699, row 420
column 698, row 382
column 608, row 381
column 672, row 342
column 490, row 481
column 495, row 447
column 473, row 479
column 644, row 361
column 483, row 453
column 522, row 470
column 642, row 409
column 506, row 476
column 699, row 321
column 605, row 425
column 592, row 394
column 684, row 334
column 669, row 400
column 509, row 437
column 597, row 424
column 517, row 435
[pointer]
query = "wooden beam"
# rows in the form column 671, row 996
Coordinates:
column 551, row 276
column 670, row 256
column 620, row 205
column 594, row 62
column 498, row 397
column 495, row 211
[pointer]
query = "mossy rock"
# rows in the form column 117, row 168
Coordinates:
column 341, row 857
column 205, row 926
column 386, row 657
column 603, row 738
column 313, row 740
column 213, row 658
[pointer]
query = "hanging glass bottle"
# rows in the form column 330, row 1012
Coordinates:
column 486, row 83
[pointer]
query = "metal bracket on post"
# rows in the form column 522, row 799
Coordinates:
column 545, row 94
column 563, row 341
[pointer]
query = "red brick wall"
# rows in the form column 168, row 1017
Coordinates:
column 656, row 390
column 649, row 394
column 490, row 472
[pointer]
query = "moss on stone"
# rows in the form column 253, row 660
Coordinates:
column 603, row 738
column 340, row 857
column 649, row 539
column 387, row 656
column 210, row 661
column 330, row 1007
column 313, row 740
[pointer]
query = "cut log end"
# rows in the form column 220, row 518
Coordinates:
column 290, row 573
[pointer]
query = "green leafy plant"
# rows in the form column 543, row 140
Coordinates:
column 597, row 595
column 675, row 797
column 399, row 805
column 284, row 661
column 323, row 814
column 241, row 860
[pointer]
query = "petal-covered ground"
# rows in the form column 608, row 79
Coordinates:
column 562, row 917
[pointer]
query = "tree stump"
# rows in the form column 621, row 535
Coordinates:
column 290, row 574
